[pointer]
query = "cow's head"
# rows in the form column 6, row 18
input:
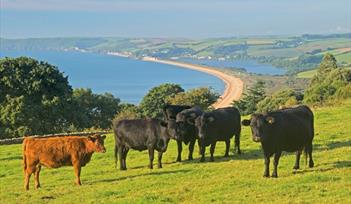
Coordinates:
column 203, row 124
column 98, row 141
column 261, row 125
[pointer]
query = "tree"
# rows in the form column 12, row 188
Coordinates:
column 203, row 97
column 283, row 98
column 33, row 97
column 329, row 82
column 151, row 105
column 248, row 103
column 93, row 110
column 128, row 111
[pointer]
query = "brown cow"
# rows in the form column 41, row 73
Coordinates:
column 54, row 152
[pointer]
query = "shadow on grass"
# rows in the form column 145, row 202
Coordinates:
column 332, row 145
column 140, row 175
column 334, row 165
column 11, row 158
column 245, row 155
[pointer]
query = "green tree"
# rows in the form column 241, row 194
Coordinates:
column 329, row 82
column 33, row 97
column 152, row 103
column 248, row 103
column 128, row 111
column 283, row 98
column 203, row 97
column 93, row 110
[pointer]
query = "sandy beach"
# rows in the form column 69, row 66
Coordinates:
column 233, row 85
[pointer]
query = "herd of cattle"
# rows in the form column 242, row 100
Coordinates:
column 289, row 129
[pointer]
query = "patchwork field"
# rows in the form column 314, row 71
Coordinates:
column 237, row 179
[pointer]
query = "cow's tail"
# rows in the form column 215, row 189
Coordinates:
column 24, row 146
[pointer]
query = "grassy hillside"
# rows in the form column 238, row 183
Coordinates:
column 236, row 179
column 310, row 73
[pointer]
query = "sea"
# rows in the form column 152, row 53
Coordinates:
column 126, row 78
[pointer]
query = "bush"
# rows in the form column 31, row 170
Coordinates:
column 128, row 111
column 283, row 98
column 202, row 97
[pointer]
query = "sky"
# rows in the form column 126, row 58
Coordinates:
column 177, row 18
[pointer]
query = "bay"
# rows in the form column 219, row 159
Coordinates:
column 125, row 78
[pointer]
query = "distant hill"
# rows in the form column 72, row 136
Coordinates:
column 294, row 53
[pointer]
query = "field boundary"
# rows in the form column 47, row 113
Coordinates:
column 19, row 140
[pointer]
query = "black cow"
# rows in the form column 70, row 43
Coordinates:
column 219, row 125
column 170, row 111
column 141, row 134
column 186, row 130
column 289, row 129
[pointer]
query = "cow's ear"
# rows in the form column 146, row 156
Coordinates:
column 211, row 119
column 92, row 138
column 103, row 137
column 163, row 123
column 246, row 122
column 270, row 119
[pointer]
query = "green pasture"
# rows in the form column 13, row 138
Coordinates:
column 237, row 179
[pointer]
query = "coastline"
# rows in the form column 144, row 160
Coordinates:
column 233, row 85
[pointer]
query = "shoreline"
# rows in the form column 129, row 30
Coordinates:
column 233, row 85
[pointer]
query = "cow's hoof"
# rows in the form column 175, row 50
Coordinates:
column 160, row 166
column 239, row 152
column 311, row 164
column 37, row 187
column 202, row 160
column 190, row 158
column 274, row 175
column 266, row 175
column 296, row 167
column 226, row 155
column 178, row 160
column 211, row 159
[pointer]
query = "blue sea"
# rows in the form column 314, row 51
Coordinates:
column 125, row 78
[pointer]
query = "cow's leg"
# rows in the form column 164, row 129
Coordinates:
column 29, row 169
column 297, row 161
column 309, row 151
column 160, row 159
column 212, row 148
column 202, row 149
column 36, row 176
column 77, row 169
column 227, row 146
column 120, row 155
column 125, row 152
column 116, row 155
column 266, row 164
column 275, row 163
column 237, row 143
column 180, row 148
column 199, row 145
column 191, row 149
column 151, row 157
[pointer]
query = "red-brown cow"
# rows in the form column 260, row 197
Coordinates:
column 54, row 152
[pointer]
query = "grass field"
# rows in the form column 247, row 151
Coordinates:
column 237, row 179
column 310, row 73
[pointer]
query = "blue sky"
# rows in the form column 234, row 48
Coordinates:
column 164, row 18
